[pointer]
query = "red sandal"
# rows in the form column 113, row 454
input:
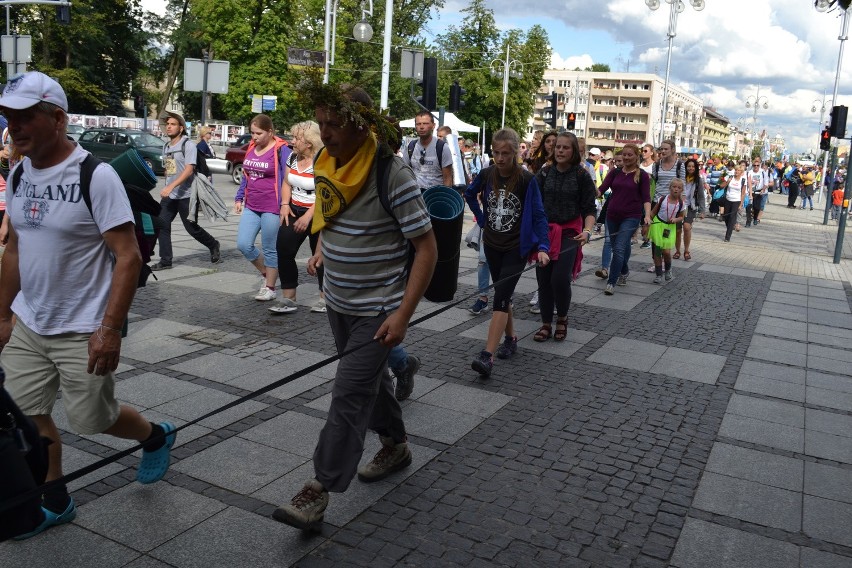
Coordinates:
column 676, row 255
column 687, row 256
column 543, row 334
column 561, row 329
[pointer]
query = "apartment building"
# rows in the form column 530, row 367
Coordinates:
column 614, row 109
column 715, row 132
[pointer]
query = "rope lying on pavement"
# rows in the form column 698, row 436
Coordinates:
column 67, row 478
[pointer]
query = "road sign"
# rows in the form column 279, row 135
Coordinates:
column 411, row 64
column 16, row 48
column 305, row 57
column 215, row 80
column 263, row 103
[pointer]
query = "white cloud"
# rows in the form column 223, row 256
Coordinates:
column 571, row 62
column 722, row 52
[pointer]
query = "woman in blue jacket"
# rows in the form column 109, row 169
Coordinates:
column 514, row 233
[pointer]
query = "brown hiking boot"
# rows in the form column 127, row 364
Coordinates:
column 392, row 457
column 307, row 508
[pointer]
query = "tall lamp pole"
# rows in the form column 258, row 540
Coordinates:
column 511, row 68
column 757, row 103
column 677, row 6
column 824, row 6
column 825, row 104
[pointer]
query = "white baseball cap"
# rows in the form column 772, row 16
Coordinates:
column 595, row 151
column 29, row 89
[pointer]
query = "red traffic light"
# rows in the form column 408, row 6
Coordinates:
column 825, row 140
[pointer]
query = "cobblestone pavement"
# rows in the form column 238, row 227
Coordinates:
column 706, row 422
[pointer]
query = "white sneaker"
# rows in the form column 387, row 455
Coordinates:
column 534, row 299
column 265, row 295
column 284, row 306
column 319, row 307
column 669, row 276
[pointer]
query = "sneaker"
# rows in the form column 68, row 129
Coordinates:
column 508, row 348
column 154, row 465
column 319, row 307
column 482, row 364
column 215, row 254
column 669, row 276
column 658, row 279
column 622, row 280
column 535, row 309
column 602, row 273
column 392, row 457
column 645, row 245
column 284, row 306
column 265, row 294
column 306, row 510
column 478, row 307
column 534, row 299
column 652, row 269
column 52, row 519
column 609, row 290
column 748, row 225
column 160, row 266
column 405, row 378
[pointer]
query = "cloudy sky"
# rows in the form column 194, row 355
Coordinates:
column 721, row 54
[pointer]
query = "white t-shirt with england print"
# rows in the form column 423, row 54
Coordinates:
column 65, row 266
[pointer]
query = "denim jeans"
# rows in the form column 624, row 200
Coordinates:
column 606, row 255
column 620, row 234
column 169, row 209
column 397, row 359
column 252, row 223
column 805, row 199
column 482, row 273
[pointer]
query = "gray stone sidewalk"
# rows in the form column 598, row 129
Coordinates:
column 705, row 422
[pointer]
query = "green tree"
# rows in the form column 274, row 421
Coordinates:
column 475, row 53
column 101, row 46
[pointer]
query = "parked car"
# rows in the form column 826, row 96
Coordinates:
column 237, row 153
column 109, row 143
column 235, row 156
column 73, row 131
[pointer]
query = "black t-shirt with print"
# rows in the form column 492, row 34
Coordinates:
column 504, row 211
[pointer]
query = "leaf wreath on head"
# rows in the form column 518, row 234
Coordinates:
column 312, row 92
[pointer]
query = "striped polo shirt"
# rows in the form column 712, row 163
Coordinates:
column 365, row 250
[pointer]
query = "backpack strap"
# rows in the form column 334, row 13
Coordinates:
column 411, row 149
column 87, row 170
column 382, row 175
column 16, row 176
column 656, row 171
column 439, row 151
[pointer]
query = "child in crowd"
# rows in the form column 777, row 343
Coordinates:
column 665, row 215
column 836, row 203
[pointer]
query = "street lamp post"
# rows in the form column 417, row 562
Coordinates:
column 824, row 6
column 677, row 6
column 511, row 68
column 757, row 102
column 362, row 31
column 825, row 104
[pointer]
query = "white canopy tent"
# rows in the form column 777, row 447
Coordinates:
column 450, row 120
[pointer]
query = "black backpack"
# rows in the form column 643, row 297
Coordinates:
column 201, row 166
column 145, row 211
column 439, row 150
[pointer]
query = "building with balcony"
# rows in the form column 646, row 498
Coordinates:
column 613, row 109
column 715, row 133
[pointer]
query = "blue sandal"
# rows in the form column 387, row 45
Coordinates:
column 154, row 465
column 51, row 519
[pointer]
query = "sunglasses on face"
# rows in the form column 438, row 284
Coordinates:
column 422, row 157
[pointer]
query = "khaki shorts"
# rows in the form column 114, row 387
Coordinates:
column 37, row 366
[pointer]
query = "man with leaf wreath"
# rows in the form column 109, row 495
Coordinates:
column 371, row 293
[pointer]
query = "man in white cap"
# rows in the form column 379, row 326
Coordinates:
column 599, row 168
column 68, row 274
column 179, row 158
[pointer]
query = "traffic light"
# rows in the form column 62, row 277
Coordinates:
column 63, row 15
column 429, row 98
column 825, row 140
column 552, row 109
column 139, row 106
column 837, row 128
column 571, row 123
column 456, row 94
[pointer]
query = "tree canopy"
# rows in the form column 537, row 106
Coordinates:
column 113, row 50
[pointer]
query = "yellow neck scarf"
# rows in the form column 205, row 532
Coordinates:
column 337, row 187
